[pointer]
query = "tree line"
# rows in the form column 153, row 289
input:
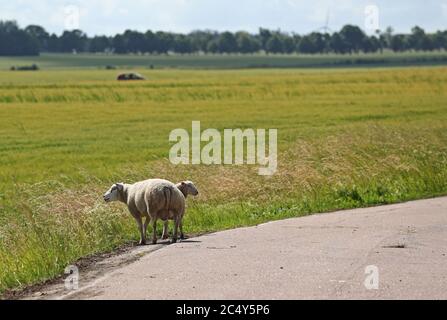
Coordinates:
column 350, row 39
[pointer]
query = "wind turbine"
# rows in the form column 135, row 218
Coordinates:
column 326, row 28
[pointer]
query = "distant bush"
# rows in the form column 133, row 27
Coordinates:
column 130, row 76
column 109, row 67
column 33, row 67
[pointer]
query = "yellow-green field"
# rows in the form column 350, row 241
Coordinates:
column 346, row 138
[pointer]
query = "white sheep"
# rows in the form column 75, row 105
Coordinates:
column 151, row 199
column 187, row 188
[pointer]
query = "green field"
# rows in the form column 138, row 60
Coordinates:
column 234, row 61
column 346, row 137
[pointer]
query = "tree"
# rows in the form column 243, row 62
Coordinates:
column 15, row 41
column 164, row 42
column 275, row 44
column 213, row 46
column 150, row 42
column 305, row 45
column 277, row 41
column 288, row 43
column 246, row 43
column 74, row 40
column 326, row 37
column 227, row 43
column 182, row 44
column 54, row 43
column 264, row 36
column 40, row 35
column 99, row 44
column 419, row 41
column 134, row 41
column 338, row 44
column 438, row 40
column 201, row 39
column 317, row 42
column 371, row 44
column 398, row 43
column 354, row 37
column 119, row 45
column 296, row 40
column 386, row 38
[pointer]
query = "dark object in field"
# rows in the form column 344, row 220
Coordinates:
column 32, row 67
column 110, row 67
column 130, row 76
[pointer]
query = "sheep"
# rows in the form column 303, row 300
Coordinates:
column 187, row 188
column 151, row 199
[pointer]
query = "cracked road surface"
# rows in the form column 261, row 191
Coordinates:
column 316, row 257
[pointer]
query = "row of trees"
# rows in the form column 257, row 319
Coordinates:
column 350, row 39
column 15, row 41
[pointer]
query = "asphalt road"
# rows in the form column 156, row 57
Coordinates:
column 400, row 250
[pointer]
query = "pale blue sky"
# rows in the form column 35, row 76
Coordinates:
column 301, row 16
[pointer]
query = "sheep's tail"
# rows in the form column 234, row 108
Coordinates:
column 167, row 192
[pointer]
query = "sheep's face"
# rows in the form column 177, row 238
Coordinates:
column 113, row 193
column 190, row 188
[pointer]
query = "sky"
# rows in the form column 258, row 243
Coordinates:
column 97, row 17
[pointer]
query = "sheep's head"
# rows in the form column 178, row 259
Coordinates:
column 113, row 194
column 188, row 188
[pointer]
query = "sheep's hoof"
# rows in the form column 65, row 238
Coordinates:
column 165, row 237
column 142, row 243
column 154, row 241
column 182, row 237
column 174, row 241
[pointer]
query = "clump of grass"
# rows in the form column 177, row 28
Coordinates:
column 46, row 232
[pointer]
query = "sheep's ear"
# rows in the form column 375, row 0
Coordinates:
column 120, row 186
column 183, row 183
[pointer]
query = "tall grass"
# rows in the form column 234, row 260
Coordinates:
column 346, row 139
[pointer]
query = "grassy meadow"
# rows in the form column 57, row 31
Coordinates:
column 346, row 138
column 226, row 61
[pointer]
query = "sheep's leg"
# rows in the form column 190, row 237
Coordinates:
column 166, row 230
column 177, row 221
column 182, row 235
column 154, row 231
column 146, row 223
column 140, row 228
